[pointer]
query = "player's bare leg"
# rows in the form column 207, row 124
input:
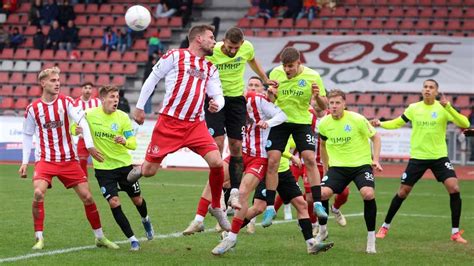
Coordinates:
column 315, row 182
column 92, row 214
column 147, row 169
column 40, row 187
column 271, row 183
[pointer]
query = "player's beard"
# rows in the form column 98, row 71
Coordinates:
column 208, row 51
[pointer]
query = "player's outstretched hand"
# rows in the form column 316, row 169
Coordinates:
column 23, row 170
column 443, row 100
column 96, row 154
column 139, row 116
column 79, row 130
column 262, row 124
column 376, row 166
column 375, row 122
column 213, row 106
column 120, row 140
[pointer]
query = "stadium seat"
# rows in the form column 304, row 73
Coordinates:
column 391, row 24
column 361, row 24
column 21, row 103
column 368, row 12
column 243, row 23
column 76, row 93
column 438, row 25
column 397, row 12
column 79, row 8
column 20, row 54
column 395, row 100
column 258, row 23
column 101, row 56
column 376, row 24
column 24, row 8
column 7, row 65
column 6, row 90
column 412, row 98
column 176, row 22
column 81, row 20
column 87, row 55
column 411, row 2
column 75, row 67
column 35, row 91
column 13, row 19
column 34, row 66
column 426, row 13
column 20, row 66
column 368, row 112
column 383, row 12
column 140, row 45
column 286, row 23
column 20, row 90
column 30, row 30
column 73, row 79
column 31, row 78
column 272, row 23
column 34, row 54
column 117, row 56
column 252, row 11
column 411, row 13
column 423, row 25
column 462, row 101
column 364, row 98
column 384, row 112
column 118, row 9
column 103, row 80
column 346, row 24
column 92, row 8
column 350, row 99
column 453, row 25
column 165, row 33
column 128, row 56
column 380, row 99
column 119, row 68
column 325, row 12
column 354, row 12
column 97, row 32
column 107, row 21
column 103, row 68
column 120, row 21
column 330, row 24
column 47, row 55
column 340, row 12
column 442, row 12
column 316, row 24
column 263, row 33
column 277, row 33
column 61, row 55
column 16, row 78
column 456, row 12
column 302, row 23
column 6, row 103
column 118, row 80
column 7, row 53
column 89, row 68
column 130, row 69
column 407, row 25
column 94, row 20
column 88, row 78
column 141, row 57
column 105, row 9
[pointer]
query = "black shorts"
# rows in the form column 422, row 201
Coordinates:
column 337, row 178
column 115, row 180
column 302, row 134
column 441, row 168
column 288, row 188
column 230, row 120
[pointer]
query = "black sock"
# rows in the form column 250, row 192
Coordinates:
column 271, row 197
column 316, row 191
column 236, row 167
column 306, row 228
column 142, row 209
column 122, row 221
column 455, row 202
column 226, row 196
column 370, row 214
column 246, row 222
column 323, row 221
column 394, row 206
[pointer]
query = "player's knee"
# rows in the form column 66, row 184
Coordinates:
column 369, row 195
column 301, row 205
column 403, row 192
column 137, row 201
column 326, row 193
column 217, row 163
column 114, row 202
column 38, row 194
column 87, row 198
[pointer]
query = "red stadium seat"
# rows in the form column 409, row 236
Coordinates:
column 96, row 44
column 330, row 24
column 376, row 24
column 426, row 13
column 64, row 67
column 118, row 9
column 406, row 24
column 103, row 80
column 34, row 54
column 87, row 55
column 76, row 93
column 118, row 80
column 30, row 30
column 423, row 25
column 61, row 55
column 424, row 2
column 350, row 98
column 243, row 23
column 140, row 45
column 456, row 12
column 85, row 44
column 391, row 24
column 103, row 68
column 31, row 78
column 119, row 68
column 176, row 22
column 368, row 112
column 368, row 12
column 79, row 8
column 21, row 103
column 24, row 8
column 411, row 13
column 84, row 32
column 286, row 23
column 469, row 13
column 117, row 56
column 105, row 9
column 252, row 11
column 442, row 12
column 395, row 100
column 130, row 69
column 128, row 57
column 325, row 12
column 102, row 56
column 438, row 25
column 108, row 21
column 6, row 103
column 20, row 90
column 397, row 12
column 94, row 20
column 382, row 12
column 302, row 23
column 13, row 19
column 74, row 79
column 258, row 23
column 92, row 8
column 277, row 33
column 412, row 98
column 81, row 20
column 411, row 2
column 462, row 101
column 165, row 33
column 354, row 12
column 141, row 57
column 361, row 24
column 384, row 112
column 35, row 91
column 346, row 24
column 364, row 98
column 273, row 23
column 97, row 32
column 89, row 68
column 16, row 78
column 340, row 12
column 263, row 33
column 5, row 90
column 316, row 24
column 47, row 55
column 20, row 54
column 380, row 99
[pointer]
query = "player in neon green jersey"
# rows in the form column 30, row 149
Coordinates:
column 113, row 135
column 429, row 119
column 297, row 85
column 345, row 140
column 231, row 56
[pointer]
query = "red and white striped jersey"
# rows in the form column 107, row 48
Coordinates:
column 91, row 103
column 188, row 78
column 314, row 126
column 51, row 122
column 255, row 138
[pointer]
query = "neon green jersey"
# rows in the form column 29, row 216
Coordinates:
column 232, row 69
column 286, row 155
column 347, row 139
column 429, row 122
column 104, row 128
column 294, row 95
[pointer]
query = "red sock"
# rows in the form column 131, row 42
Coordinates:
column 38, row 215
column 236, row 225
column 84, row 166
column 278, row 203
column 93, row 215
column 202, row 207
column 216, row 180
column 341, row 198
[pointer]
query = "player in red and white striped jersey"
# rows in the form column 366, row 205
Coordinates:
column 86, row 101
column 49, row 119
column 188, row 78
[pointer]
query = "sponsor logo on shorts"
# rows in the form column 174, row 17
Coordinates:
column 404, row 176
column 211, row 131
column 268, row 144
column 264, row 192
column 103, row 190
column 154, row 149
column 325, row 178
column 449, row 165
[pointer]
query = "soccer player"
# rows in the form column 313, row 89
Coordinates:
column 112, row 133
column 290, row 192
column 429, row 119
column 230, row 57
column 297, row 85
column 254, row 86
column 85, row 101
column 345, row 140
column 188, row 77
column 49, row 119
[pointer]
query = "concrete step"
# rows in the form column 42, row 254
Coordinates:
column 224, row 13
column 229, row 3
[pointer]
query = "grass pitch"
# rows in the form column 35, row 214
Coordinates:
column 419, row 234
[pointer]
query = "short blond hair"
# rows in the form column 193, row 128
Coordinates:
column 335, row 93
column 48, row 71
column 104, row 90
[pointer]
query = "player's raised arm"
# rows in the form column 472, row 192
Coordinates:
column 457, row 118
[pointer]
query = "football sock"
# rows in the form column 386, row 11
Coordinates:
column 132, row 239
column 203, row 205
column 236, row 166
column 39, row 234
column 142, row 209
column 236, row 225
column 122, row 221
column 226, row 195
column 370, row 214
column 455, row 202
column 216, row 179
column 244, row 223
column 270, row 197
column 306, row 228
column 38, row 215
column 93, row 215
column 99, row 234
column 324, row 221
column 316, row 191
column 454, row 230
column 394, row 206
column 341, row 198
column 278, row 203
